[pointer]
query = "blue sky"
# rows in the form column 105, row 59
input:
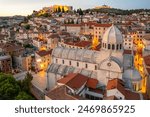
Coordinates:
column 25, row 7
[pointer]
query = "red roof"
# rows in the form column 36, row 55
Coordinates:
column 44, row 52
column 80, row 43
column 129, row 95
column 128, row 52
column 74, row 80
column 116, row 84
column 59, row 93
column 73, row 25
column 102, row 25
column 92, row 83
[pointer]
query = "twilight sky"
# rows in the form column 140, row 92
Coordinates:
column 25, row 7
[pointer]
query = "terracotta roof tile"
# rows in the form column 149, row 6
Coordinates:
column 44, row 53
column 80, row 43
column 73, row 25
column 128, row 52
column 116, row 84
column 92, row 83
column 74, row 81
column 59, row 93
column 129, row 95
column 102, row 25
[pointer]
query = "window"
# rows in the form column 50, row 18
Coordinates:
column 77, row 64
column 108, row 46
column 95, row 67
column 69, row 62
column 63, row 62
column 86, row 65
column 113, row 47
column 105, row 45
column 117, row 46
column 120, row 46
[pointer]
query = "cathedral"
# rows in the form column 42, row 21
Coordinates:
column 110, row 62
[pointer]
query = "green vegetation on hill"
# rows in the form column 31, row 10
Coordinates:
column 117, row 11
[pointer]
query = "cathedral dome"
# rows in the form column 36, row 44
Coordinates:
column 113, row 36
column 112, row 39
column 132, row 74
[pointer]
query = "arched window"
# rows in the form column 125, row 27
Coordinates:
column 108, row 46
column 69, row 62
column 117, row 46
column 86, row 65
column 63, row 62
column 113, row 46
column 120, row 46
column 95, row 67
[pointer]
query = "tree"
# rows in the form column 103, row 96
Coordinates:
column 26, row 83
column 9, row 88
column 63, row 10
column 46, row 15
column 59, row 9
column 27, row 26
column 24, row 96
column 79, row 11
column 75, row 11
column 56, row 10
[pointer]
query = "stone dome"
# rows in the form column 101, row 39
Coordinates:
column 113, row 36
column 132, row 74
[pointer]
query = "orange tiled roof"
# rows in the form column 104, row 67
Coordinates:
column 74, row 80
column 59, row 93
column 44, row 53
column 128, row 52
column 102, row 25
column 80, row 43
column 116, row 84
column 92, row 83
column 129, row 95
